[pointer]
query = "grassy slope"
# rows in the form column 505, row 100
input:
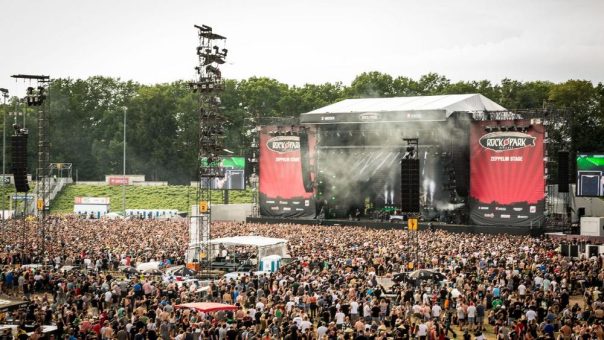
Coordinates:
column 9, row 190
column 138, row 197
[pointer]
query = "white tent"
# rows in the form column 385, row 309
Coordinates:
column 400, row 109
column 266, row 245
column 251, row 240
column 450, row 103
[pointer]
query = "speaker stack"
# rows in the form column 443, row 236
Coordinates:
column 305, row 161
column 19, row 160
column 410, row 185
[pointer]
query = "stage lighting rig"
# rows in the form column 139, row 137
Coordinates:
column 203, row 28
column 211, row 134
column 214, row 70
column 36, row 95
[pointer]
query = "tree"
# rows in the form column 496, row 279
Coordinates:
column 432, row 84
column 584, row 104
column 371, row 85
column 87, row 115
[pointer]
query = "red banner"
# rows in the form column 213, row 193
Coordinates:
column 507, row 184
column 119, row 181
column 282, row 191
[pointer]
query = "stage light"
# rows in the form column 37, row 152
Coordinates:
column 203, row 28
column 214, row 70
column 216, row 100
column 41, row 95
column 209, row 58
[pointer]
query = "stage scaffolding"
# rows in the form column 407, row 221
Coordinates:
column 211, row 133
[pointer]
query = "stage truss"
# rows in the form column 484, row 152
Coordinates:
column 211, row 132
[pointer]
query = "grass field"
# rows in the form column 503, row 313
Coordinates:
column 9, row 191
column 178, row 197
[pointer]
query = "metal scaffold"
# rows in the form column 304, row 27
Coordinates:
column 211, row 129
column 38, row 98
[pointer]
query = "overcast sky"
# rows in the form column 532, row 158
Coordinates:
column 298, row 42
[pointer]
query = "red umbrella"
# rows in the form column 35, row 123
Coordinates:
column 206, row 307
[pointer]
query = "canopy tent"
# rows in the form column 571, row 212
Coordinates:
column 206, row 307
column 399, row 109
column 250, row 240
column 266, row 245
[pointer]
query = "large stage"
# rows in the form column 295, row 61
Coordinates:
column 461, row 160
column 454, row 228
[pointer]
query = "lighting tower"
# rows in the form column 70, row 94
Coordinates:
column 37, row 98
column 211, row 129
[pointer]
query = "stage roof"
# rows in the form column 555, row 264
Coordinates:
column 257, row 241
column 399, row 109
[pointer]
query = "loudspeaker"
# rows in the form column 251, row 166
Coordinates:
column 305, row 161
column 564, row 249
column 574, row 250
column 19, row 160
column 562, row 171
column 410, row 185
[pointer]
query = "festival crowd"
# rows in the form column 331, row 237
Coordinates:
column 339, row 285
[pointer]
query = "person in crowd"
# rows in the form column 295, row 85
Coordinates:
column 333, row 288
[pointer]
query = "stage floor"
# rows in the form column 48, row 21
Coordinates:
column 455, row 228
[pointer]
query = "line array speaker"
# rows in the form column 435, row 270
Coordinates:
column 305, row 161
column 410, row 185
column 19, row 160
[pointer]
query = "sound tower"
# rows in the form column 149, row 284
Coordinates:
column 19, row 160
column 410, row 185
column 305, row 162
column 562, row 171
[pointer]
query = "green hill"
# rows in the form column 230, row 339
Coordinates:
column 178, row 197
column 9, row 191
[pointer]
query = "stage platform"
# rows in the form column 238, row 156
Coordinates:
column 454, row 228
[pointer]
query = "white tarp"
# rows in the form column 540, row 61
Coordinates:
column 251, row 240
column 148, row 266
column 448, row 103
column 266, row 245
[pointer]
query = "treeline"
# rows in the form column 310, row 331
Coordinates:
column 87, row 116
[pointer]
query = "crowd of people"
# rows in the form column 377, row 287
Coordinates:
column 337, row 286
